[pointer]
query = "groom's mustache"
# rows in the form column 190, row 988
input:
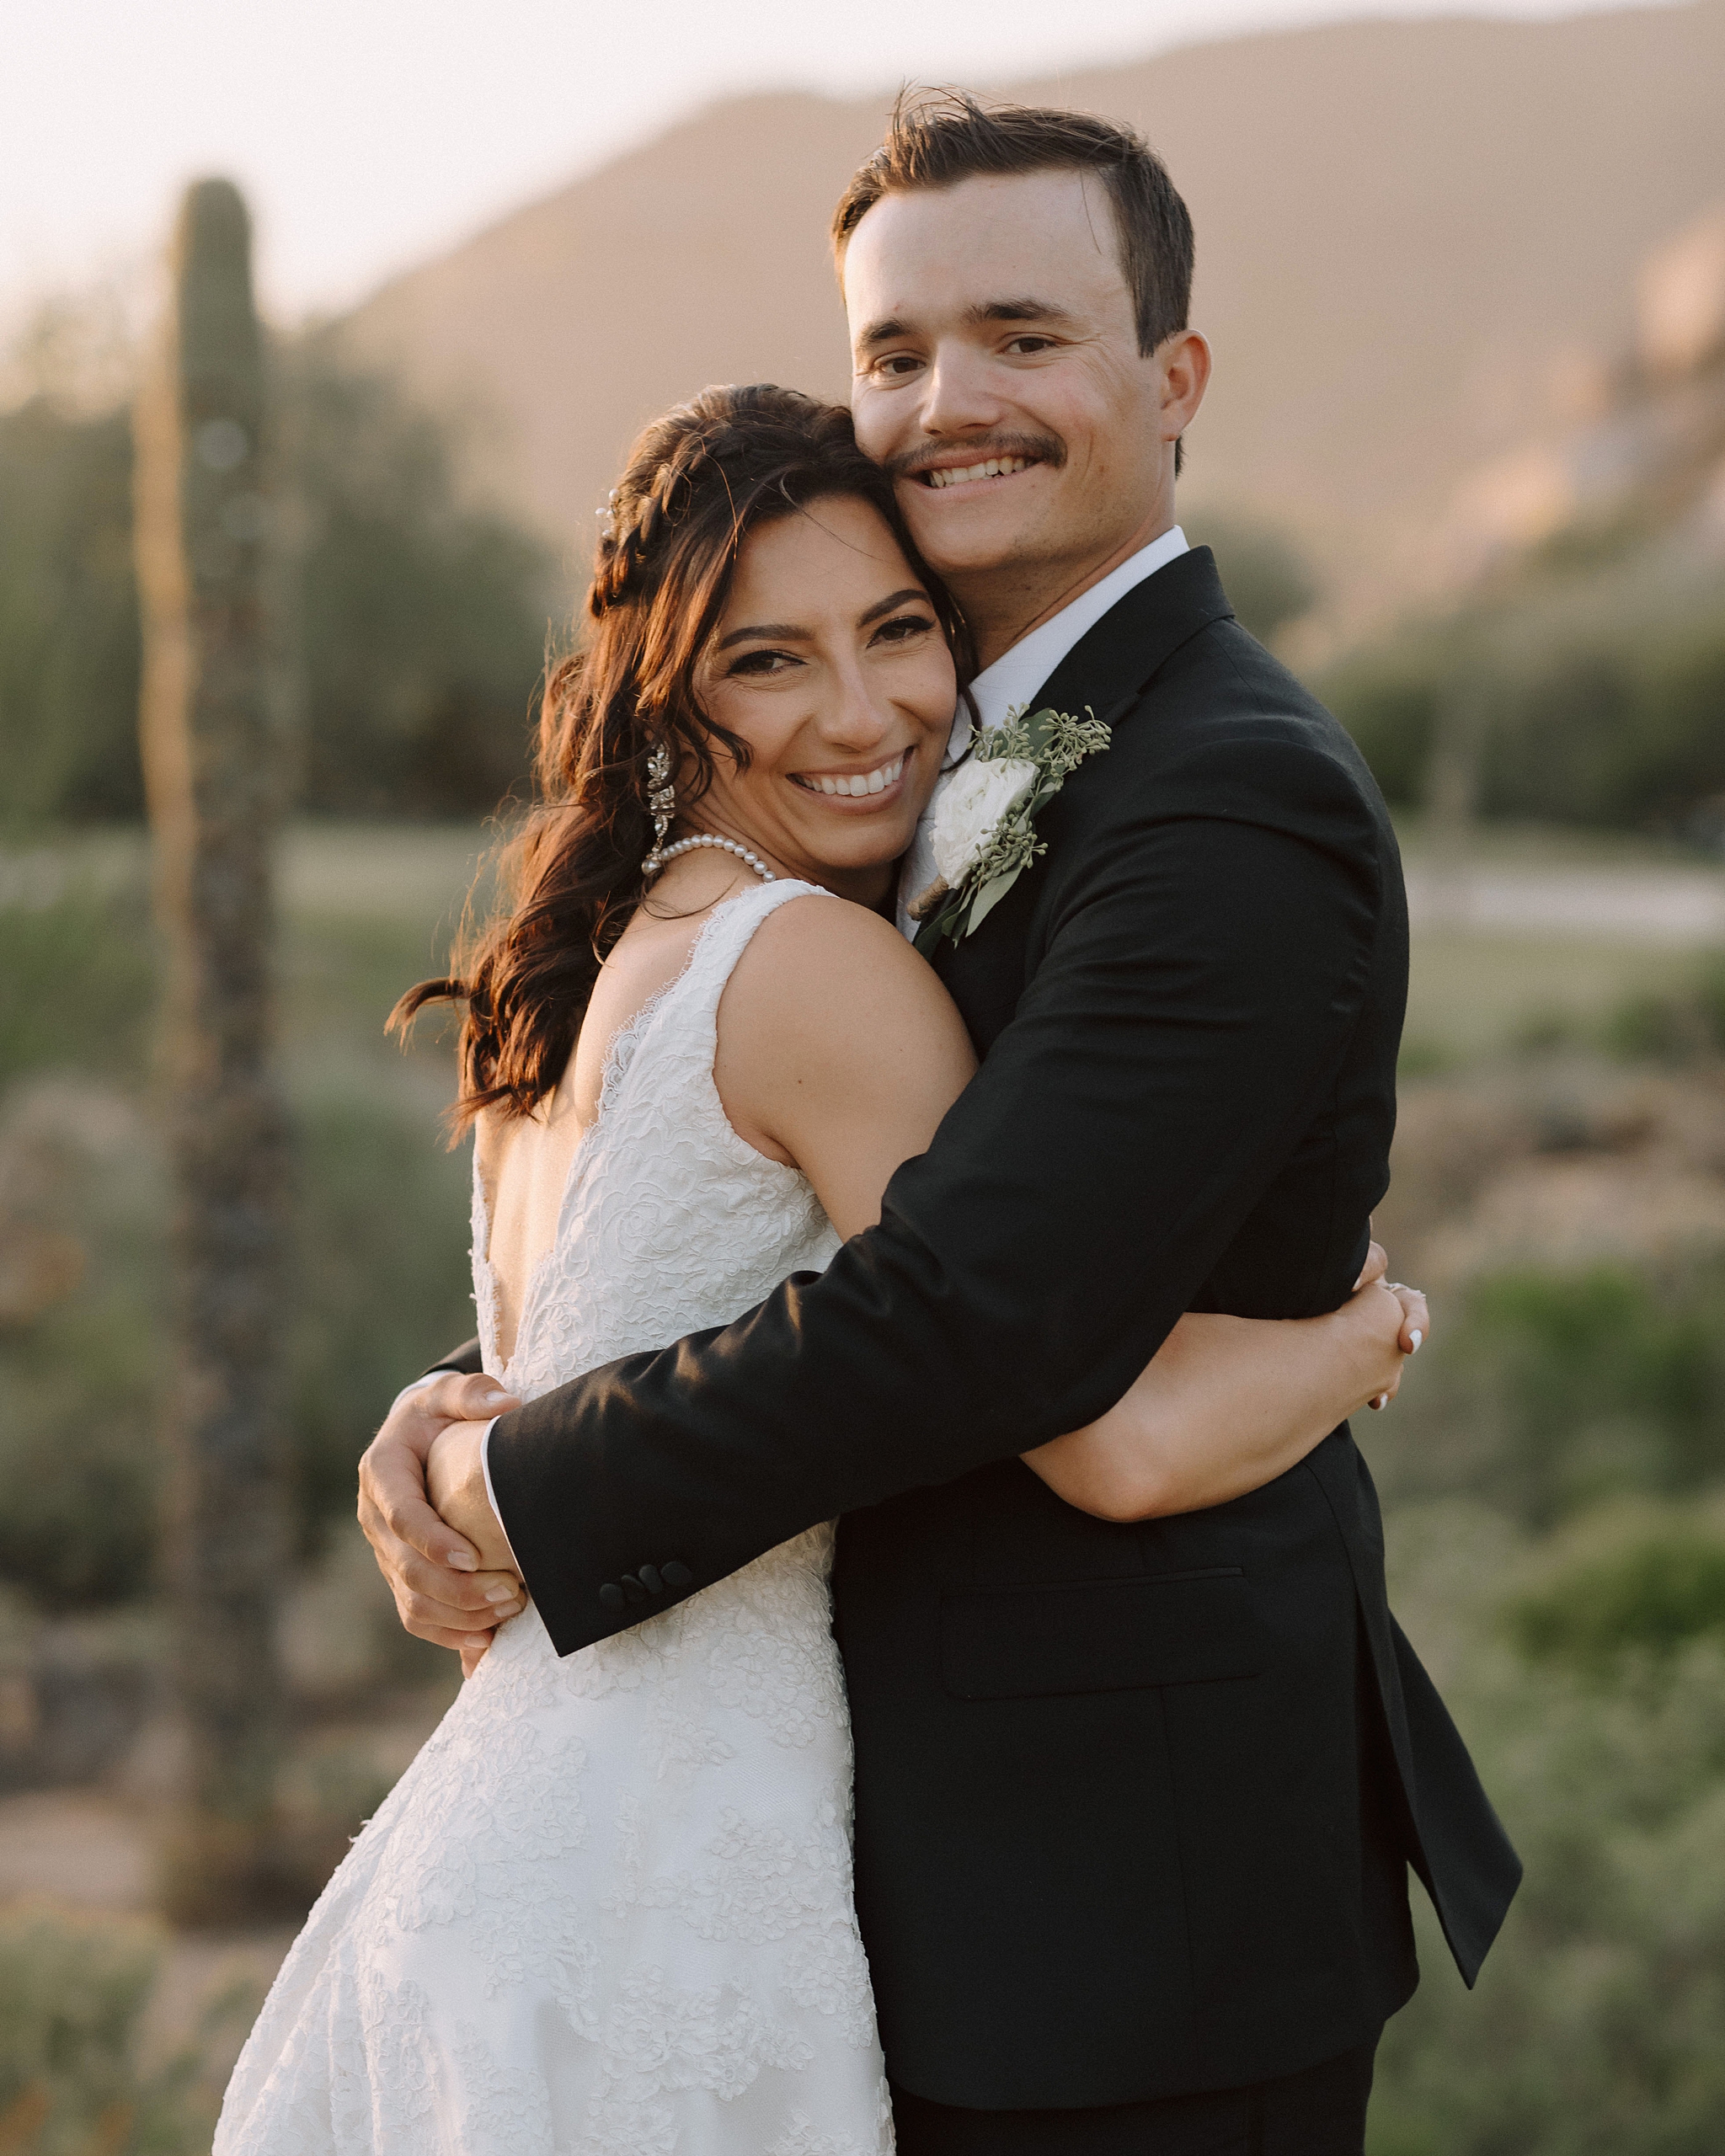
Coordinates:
column 1034, row 449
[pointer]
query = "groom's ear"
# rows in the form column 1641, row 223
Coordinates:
column 1183, row 364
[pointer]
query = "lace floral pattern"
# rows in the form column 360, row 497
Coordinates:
column 607, row 1910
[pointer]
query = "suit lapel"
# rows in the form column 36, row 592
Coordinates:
column 1117, row 656
column 1107, row 670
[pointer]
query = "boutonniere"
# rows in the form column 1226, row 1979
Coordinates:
column 984, row 821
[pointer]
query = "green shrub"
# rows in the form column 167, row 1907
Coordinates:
column 1599, row 707
column 73, row 1992
column 380, row 1285
column 1637, row 1604
column 81, row 1353
column 1594, row 2029
column 78, row 978
column 79, row 1474
column 1683, row 1026
column 383, row 1279
column 1601, row 1380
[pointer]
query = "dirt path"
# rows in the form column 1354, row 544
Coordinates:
column 1666, row 906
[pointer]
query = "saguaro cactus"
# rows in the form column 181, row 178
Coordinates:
column 213, row 764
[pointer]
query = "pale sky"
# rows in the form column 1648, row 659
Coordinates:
column 368, row 134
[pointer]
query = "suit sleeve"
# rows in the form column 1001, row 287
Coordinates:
column 464, row 1360
column 1201, row 979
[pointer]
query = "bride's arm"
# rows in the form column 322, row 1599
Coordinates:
column 839, row 1050
column 1230, row 1403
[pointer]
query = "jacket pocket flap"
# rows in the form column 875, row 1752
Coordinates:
column 1097, row 1635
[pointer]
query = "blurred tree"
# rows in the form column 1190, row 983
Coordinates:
column 421, row 618
column 1268, row 582
column 69, row 617
column 212, row 764
column 1597, row 699
column 1388, row 698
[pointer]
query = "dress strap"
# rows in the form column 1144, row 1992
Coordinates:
column 676, row 1035
column 725, row 937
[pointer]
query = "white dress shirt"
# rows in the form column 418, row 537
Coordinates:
column 1015, row 676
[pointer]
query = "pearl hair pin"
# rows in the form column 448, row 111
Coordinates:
column 656, row 859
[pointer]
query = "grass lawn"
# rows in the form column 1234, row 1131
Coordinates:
column 368, row 908
column 1472, row 996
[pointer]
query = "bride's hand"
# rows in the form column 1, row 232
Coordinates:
column 1416, row 1318
column 1229, row 1404
column 1375, row 1307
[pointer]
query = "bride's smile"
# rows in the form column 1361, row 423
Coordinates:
column 829, row 668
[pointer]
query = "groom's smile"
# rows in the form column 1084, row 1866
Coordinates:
column 998, row 377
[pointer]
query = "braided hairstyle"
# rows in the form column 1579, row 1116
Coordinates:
column 697, row 483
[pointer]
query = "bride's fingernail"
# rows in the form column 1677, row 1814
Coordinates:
column 462, row 1561
column 492, row 1399
column 499, row 1594
column 1418, row 1337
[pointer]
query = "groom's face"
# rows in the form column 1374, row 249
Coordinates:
column 997, row 373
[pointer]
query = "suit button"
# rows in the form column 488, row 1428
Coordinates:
column 610, row 1595
column 634, row 1589
column 649, row 1577
column 676, row 1576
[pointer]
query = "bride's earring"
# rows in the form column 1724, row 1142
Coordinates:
column 662, row 801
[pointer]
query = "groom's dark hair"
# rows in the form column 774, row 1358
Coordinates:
column 938, row 137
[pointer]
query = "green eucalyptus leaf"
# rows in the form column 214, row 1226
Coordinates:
column 988, row 898
column 1056, row 744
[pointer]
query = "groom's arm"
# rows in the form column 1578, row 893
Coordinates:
column 1192, row 1011
column 465, row 1359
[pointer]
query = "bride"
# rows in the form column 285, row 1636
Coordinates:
column 608, row 1906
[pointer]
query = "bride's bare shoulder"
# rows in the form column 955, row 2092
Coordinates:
column 824, row 983
column 816, row 951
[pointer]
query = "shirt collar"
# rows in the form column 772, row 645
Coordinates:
column 1015, row 676
column 1017, row 673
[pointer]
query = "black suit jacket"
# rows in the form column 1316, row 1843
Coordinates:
column 1133, row 1802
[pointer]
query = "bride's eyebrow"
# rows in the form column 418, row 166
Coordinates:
column 778, row 631
column 790, row 633
column 911, row 592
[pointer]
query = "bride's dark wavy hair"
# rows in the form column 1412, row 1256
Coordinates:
column 697, row 483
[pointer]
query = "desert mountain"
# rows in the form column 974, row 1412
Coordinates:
column 1410, row 235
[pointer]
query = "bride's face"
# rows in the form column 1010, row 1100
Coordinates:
column 830, row 664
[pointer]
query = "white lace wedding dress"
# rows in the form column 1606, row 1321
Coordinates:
column 608, row 1906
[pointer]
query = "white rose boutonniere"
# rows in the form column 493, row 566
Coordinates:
column 977, row 797
column 984, row 833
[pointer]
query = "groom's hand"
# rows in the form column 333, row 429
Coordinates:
column 447, row 1589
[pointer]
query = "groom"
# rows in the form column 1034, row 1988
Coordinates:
column 1135, row 1804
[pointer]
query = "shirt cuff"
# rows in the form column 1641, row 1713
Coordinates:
column 491, row 1494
